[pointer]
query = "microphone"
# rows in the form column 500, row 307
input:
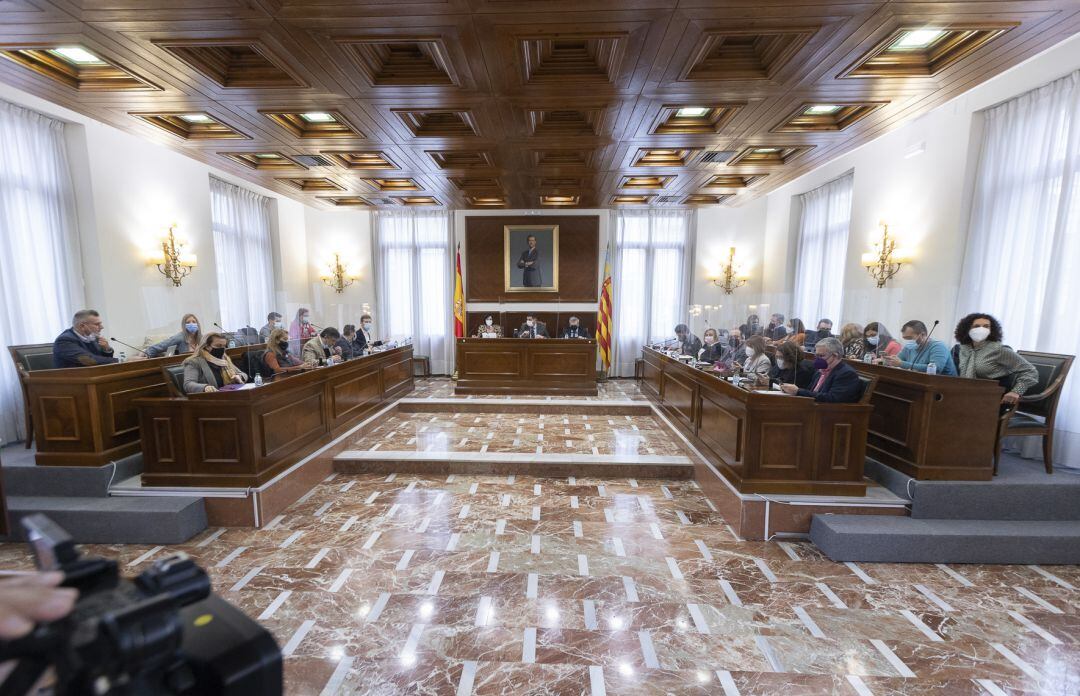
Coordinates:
column 925, row 345
column 222, row 327
column 128, row 345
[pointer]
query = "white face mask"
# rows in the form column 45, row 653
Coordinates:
column 872, row 340
column 488, row 322
column 278, row 324
column 911, row 343
column 749, row 352
column 367, row 326
column 530, row 322
column 780, row 363
column 305, row 320
column 979, row 333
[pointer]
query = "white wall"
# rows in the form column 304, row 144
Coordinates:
column 925, row 197
column 347, row 232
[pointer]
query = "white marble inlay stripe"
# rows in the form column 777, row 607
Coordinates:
column 534, row 545
column 463, row 441
column 648, row 651
column 919, row 624
column 403, row 562
column 450, row 478
column 590, row 615
column 600, row 491
column 317, row 557
column 305, row 497
column 330, row 478
column 705, row 553
column 1039, row 600
column 616, row 542
column 275, row 605
column 582, row 564
column 473, row 488
column 655, row 529
column 727, row 682
column 484, row 613
column 484, row 448
column 578, row 532
column 410, row 487
column 596, row 681
column 536, row 513
column 892, row 658
column 374, row 447
column 673, row 568
column 422, row 527
column 536, row 489
column 765, row 570
column 531, row 586
column 371, row 540
column 789, row 550
column 464, row 512
column 210, row 539
column 729, row 592
column 1052, row 578
column 242, row 582
column 539, row 450
column 954, row 575
column 454, row 539
column 929, row 594
column 468, row 676
column 273, row 524
column 770, row 655
column 377, row 609
column 991, row 688
column 147, row 555
column 596, row 451
column 391, row 477
column 493, row 562
column 609, row 515
column 1035, row 628
column 574, row 501
column 408, row 651
column 346, row 487
column 371, row 498
column 337, row 679
column 528, row 647
column 339, row 582
column 860, row 573
column 809, row 622
column 633, row 483
column 572, row 481
column 231, row 557
column 438, row 498
column 504, row 500
column 682, row 517
column 859, row 685
column 393, row 510
column 667, row 492
column 698, row 618
column 1015, row 659
column 297, row 637
column 436, row 582
column 348, row 523
column 500, row 527
column 630, row 588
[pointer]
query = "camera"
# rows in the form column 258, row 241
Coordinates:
column 163, row 632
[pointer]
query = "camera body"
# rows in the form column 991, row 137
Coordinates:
column 163, row 632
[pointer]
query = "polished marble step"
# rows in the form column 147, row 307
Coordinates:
column 505, row 463
column 881, row 539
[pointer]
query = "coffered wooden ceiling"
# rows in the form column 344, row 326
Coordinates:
column 520, row 103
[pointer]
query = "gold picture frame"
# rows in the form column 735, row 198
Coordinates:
column 520, row 277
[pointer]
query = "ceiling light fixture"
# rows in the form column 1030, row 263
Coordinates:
column 317, row 117
column 821, row 109
column 76, row 55
column 197, row 118
column 691, row 112
column 917, row 38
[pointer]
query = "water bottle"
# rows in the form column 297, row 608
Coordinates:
column 868, row 358
column 123, row 356
column 258, row 379
column 931, row 368
column 232, row 343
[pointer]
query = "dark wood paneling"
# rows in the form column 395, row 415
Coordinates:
column 292, row 424
column 579, row 244
column 356, row 393
column 526, row 366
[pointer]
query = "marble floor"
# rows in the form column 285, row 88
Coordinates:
column 608, row 390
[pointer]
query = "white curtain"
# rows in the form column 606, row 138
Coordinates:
column 1022, row 261
column 243, row 251
column 414, row 282
column 40, row 263
column 822, row 251
column 653, row 250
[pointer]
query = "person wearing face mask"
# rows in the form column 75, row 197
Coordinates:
column 575, row 329
column 83, row 345
column 489, row 329
column 851, row 335
column 533, row 328
column 752, row 327
column 273, row 321
column 347, row 344
column 920, row 350
column 776, row 330
column 712, row 350
column 756, row 365
column 835, row 381
column 878, row 341
column 210, row 368
column 301, row 328
column 364, row 336
column 791, row 368
column 689, row 344
column 982, row 355
column 796, row 333
column 187, row 340
column 824, row 330
column 277, row 357
column 323, row 350
column 735, row 338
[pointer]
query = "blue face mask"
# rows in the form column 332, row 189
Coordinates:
column 367, row 326
column 821, row 364
column 192, row 327
column 911, row 343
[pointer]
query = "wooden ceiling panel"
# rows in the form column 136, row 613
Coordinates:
column 523, row 103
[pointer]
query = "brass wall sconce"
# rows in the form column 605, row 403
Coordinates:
column 731, row 276
column 337, row 276
column 886, row 259
column 172, row 262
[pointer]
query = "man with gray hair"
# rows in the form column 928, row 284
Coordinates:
column 836, row 382
column 83, row 345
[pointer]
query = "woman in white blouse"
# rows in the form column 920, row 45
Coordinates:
column 757, row 364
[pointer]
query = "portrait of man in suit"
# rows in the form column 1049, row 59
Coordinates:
column 532, row 258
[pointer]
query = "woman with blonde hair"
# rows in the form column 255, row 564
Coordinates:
column 185, row 341
column 211, row 369
column 757, row 365
column 851, row 335
column 277, row 357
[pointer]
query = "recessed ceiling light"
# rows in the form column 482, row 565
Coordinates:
column 317, row 117
column 822, row 109
column 691, row 112
column 267, row 155
column 76, row 55
column 197, row 118
column 766, row 150
column 918, row 38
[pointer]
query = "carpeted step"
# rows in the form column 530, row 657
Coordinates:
column 116, row 520
column 888, row 539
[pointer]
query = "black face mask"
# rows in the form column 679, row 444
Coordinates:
column 733, row 342
column 217, row 352
column 284, row 345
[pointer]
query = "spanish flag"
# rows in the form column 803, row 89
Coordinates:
column 603, row 322
column 459, row 300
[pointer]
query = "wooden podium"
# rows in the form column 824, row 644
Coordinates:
column 526, row 366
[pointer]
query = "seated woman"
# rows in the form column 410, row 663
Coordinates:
column 712, row 350
column 851, row 335
column 878, row 341
column 187, row 340
column 791, row 368
column 757, row 364
column 210, row 368
column 982, row 355
column 796, row 333
column 277, row 357
column 489, row 327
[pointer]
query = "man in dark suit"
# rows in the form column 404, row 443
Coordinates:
column 83, row 345
column 776, row 330
column 575, row 329
column 835, row 382
column 689, row 344
column 528, row 262
column 533, row 328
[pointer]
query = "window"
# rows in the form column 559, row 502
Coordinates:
column 822, row 251
column 242, row 247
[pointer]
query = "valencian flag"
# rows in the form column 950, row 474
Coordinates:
column 459, row 300
column 603, row 323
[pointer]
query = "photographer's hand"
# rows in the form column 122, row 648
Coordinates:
column 27, row 599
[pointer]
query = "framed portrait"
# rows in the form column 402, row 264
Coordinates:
column 531, row 254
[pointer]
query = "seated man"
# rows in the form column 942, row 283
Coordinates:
column 836, row 381
column 824, row 330
column 273, row 321
column 575, row 329
column 323, row 350
column 920, row 350
column 347, row 344
column 533, row 328
column 689, row 344
column 83, row 345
